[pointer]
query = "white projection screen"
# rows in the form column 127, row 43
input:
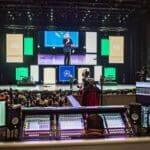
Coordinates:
column 91, row 42
column 97, row 73
column 34, row 73
column 116, row 49
column 80, row 70
column 49, row 76
column 14, row 48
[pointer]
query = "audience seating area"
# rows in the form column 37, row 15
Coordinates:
column 114, row 97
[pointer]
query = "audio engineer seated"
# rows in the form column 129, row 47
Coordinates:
column 95, row 127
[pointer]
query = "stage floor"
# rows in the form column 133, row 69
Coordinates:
column 55, row 87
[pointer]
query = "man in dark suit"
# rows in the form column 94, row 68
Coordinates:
column 67, row 48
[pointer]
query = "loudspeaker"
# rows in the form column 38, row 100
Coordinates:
column 135, row 113
column 14, row 117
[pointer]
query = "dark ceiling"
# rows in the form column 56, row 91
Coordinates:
column 71, row 13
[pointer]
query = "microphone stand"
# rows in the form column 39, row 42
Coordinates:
column 101, row 85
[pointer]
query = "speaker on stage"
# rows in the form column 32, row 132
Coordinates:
column 135, row 117
column 14, row 123
column 135, row 113
column 14, row 117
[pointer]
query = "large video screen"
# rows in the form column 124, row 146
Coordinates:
column 50, row 48
column 49, row 59
column 97, row 73
column 65, row 72
column 55, row 38
column 34, row 73
column 80, row 71
column 91, row 42
column 87, row 59
column 2, row 113
column 49, row 75
column 116, row 51
column 76, row 59
column 14, row 48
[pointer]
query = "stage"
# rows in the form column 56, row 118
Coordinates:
column 63, row 87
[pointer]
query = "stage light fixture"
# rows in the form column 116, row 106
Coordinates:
column 28, row 12
column 127, row 15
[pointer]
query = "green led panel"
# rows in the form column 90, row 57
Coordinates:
column 28, row 46
column 104, row 47
column 110, row 73
column 22, row 72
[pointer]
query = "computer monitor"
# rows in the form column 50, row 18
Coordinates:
column 37, row 126
column 114, row 120
column 143, row 93
column 71, row 122
column 3, row 110
column 145, row 117
column 149, row 119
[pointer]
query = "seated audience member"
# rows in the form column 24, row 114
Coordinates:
column 144, row 73
column 91, row 94
column 2, row 96
column 95, row 127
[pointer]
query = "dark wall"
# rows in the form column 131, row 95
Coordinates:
column 148, row 45
column 139, row 44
